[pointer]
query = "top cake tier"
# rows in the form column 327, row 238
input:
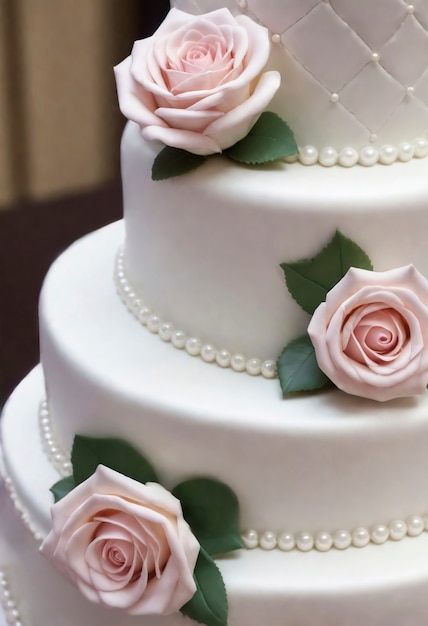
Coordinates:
column 354, row 72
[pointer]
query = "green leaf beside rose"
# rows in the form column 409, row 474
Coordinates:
column 309, row 281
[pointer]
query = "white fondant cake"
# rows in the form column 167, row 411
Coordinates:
column 318, row 476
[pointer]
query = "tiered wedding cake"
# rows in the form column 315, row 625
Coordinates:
column 216, row 343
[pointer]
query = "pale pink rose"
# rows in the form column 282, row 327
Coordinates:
column 124, row 544
column 197, row 83
column 371, row 334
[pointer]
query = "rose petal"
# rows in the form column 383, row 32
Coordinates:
column 184, row 139
column 232, row 126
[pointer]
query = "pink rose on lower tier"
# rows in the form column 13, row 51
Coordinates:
column 197, row 83
column 371, row 334
column 124, row 544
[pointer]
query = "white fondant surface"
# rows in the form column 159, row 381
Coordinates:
column 375, row 586
column 365, row 54
column 317, row 462
column 204, row 250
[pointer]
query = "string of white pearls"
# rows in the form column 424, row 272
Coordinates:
column 20, row 509
column 367, row 156
column 178, row 338
column 323, row 541
column 9, row 605
column 58, row 458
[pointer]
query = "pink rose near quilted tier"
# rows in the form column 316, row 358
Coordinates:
column 229, row 424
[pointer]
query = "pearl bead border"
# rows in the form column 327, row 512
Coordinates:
column 8, row 603
column 324, row 541
column 367, row 156
column 413, row 526
column 19, row 507
column 60, row 459
column 180, row 339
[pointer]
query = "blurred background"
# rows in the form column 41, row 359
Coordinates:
column 60, row 130
column 59, row 121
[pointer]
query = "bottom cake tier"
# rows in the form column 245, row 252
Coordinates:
column 375, row 586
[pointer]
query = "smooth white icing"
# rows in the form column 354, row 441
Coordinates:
column 204, row 250
column 378, row 585
column 315, row 463
column 354, row 71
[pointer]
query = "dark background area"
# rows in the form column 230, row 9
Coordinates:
column 32, row 235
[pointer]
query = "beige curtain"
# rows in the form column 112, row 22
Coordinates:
column 59, row 121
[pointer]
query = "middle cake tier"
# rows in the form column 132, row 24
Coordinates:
column 314, row 463
column 204, row 250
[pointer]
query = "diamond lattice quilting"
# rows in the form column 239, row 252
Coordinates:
column 280, row 20
column 326, row 65
column 405, row 55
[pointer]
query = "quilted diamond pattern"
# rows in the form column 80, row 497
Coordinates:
column 360, row 66
column 279, row 21
column 326, row 65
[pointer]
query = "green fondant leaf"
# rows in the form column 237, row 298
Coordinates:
column 62, row 488
column 270, row 139
column 212, row 511
column 88, row 453
column 209, row 604
column 309, row 281
column 172, row 162
column 298, row 368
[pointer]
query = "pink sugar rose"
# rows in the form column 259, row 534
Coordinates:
column 197, row 83
column 124, row 544
column 371, row 334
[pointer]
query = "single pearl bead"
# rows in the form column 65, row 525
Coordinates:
column 415, row 525
column 348, row 157
column 379, row 533
column 323, row 541
column 308, row 155
column 375, row 57
column 144, row 314
column 208, row 353
column 304, row 541
column 405, row 151
column 269, row 369
column 334, row 97
column 238, row 362
column 137, row 305
column 397, row 529
column 193, row 346
column 268, row 540
column 342, row 539
column 388, row 154
column 254, row 366
column 360, row 537
column 410, row 91
column 369, row 156
column 328, row 156
column 223, row 358
column 410, row 9
column 421, row 147
column 165, row 331
column 293, row 158
column 286, row 541
column 250, row 539
column 153, row 323
column 178, row 339
column 276, row 38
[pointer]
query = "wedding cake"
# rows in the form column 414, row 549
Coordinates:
column 229, row 424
